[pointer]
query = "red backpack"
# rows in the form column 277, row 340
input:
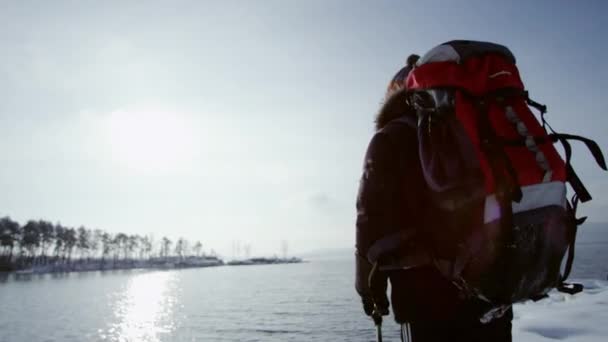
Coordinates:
column 494, row 175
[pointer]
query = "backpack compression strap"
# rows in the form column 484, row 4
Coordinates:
column 581, row 192
column 576, row 183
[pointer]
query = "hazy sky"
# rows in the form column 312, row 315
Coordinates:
column 248, row 120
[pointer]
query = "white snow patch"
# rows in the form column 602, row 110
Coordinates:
column 564, row 317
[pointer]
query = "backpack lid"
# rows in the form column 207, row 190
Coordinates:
column 460, row 50
column 478, row 68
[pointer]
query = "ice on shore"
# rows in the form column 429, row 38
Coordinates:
column 564, row 317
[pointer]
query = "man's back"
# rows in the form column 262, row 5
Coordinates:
column 392, row 198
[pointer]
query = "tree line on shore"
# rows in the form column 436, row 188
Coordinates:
column 41, row 243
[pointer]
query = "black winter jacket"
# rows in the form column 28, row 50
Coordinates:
column 392, row 190
column 392, row 197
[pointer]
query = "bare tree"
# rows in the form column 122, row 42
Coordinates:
column 132, row 243
column 106, row 247
column 42, row 242
column 141, row 245
column 9, row 236
column 186, row 248
column 95, row 242
column 30, row 240
column 59, row 234
column 148, row 243
column 198, row 247
column 165, row 247
column 83, row 242
column 179, row 248
column 120, row 244
column 46, row 238
column 70, row 239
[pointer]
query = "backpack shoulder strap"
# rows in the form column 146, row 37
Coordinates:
column 401, row 132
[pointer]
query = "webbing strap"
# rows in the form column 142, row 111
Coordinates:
column 592, row 146
column 571, row 239
column 507, row 190
column 577, row 185
column 530, row 142
column 574, row 223
column 540, row 107
column 581, row 192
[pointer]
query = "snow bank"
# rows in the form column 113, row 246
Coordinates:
column 580, row 317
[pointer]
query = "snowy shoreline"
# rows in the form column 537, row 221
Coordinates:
column 110, row 265
column 579, row 317
column 153, row 264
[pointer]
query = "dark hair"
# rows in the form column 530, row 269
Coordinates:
column 412, row 59
column 395, row 106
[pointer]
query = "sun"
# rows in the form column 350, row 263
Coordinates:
column 150, row 140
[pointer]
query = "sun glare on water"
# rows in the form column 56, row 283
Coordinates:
column 145, row 311
column 150, row 140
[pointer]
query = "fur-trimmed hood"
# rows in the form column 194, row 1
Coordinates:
column 394, row 107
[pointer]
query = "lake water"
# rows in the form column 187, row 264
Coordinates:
column 312, row 301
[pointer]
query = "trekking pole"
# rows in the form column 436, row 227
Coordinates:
column 376, row 313
column 377, row 317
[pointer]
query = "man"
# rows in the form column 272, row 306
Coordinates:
column 392, row 201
